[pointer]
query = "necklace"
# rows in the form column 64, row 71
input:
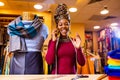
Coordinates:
column 64, row 40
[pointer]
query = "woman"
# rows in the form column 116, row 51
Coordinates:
column 62, row 50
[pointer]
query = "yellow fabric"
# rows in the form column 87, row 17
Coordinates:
column 114, row 62
column 45, row 66
column 88, row 68
column 6, row 66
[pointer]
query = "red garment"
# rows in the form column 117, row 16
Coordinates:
column 113, row 78
column 66, row 60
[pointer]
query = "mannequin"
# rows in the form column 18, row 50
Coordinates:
column 26, row 43
column 27, row 16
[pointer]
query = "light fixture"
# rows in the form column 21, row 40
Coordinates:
column 114, row 24
column 73, row 9
column 38, row 6
column 96, row 27
column 2, row 4
column 104, row 11
column 116, row 32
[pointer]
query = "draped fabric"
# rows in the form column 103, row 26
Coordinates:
column 17, row 27
column 26, row 63
column 18, row 32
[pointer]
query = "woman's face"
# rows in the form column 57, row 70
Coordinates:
column 63, row 27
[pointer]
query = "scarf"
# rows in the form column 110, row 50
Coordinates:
column 17, row 27
column 18, row 32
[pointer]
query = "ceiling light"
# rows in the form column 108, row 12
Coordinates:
column 104, row 11
column 38, row 6
column 1, row 4
column 116, row 32
column 96, row 27
column 114, row 24
column 73, row 9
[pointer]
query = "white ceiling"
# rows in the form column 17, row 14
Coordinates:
column 89, row 14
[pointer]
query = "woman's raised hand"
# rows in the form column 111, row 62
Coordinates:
column 77, row 41
column 54, row 34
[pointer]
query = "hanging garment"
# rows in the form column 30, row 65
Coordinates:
column 6, row 66
column 1, row 35
column 88, row 68
column 26, row 63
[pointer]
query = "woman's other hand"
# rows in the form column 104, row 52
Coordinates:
column 77, row 41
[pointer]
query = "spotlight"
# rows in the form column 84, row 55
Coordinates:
column 104, row 11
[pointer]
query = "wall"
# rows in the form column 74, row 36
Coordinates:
column 95, row 41
column 78, row 28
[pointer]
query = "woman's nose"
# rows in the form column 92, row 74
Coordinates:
column 64, row 25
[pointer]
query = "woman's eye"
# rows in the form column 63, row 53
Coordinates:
column 66, row 24
column 60, row 24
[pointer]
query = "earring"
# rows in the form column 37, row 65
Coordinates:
column 69, row 33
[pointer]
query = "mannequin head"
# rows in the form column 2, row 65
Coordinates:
column 27, row 16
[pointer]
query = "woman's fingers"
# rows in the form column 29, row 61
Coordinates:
column 78, row 36
column 54, row 34
column 77, row 41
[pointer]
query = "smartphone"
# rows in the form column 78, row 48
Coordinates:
column 80, row 76
column 57, row 33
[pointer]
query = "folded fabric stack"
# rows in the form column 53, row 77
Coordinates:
column 113, row 67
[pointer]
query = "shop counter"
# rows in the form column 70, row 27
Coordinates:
column 54, row 77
